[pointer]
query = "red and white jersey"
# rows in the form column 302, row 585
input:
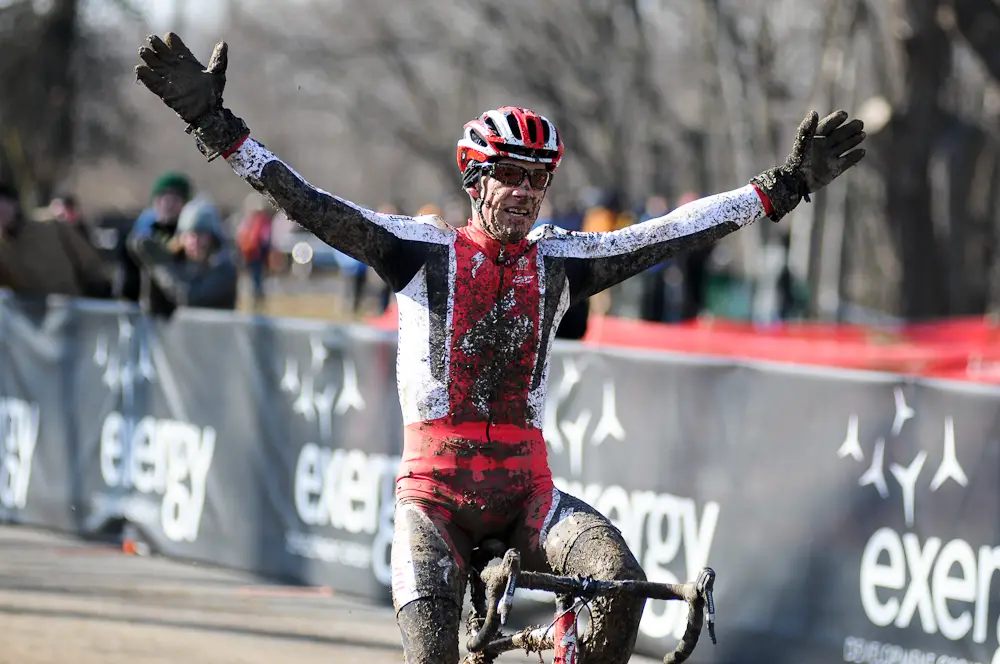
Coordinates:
column 477, row 319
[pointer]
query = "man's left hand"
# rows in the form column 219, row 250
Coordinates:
column 823, row 150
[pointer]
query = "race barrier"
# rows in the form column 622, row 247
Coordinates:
column 851, row 516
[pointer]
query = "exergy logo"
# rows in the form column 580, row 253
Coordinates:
column 661, row 529
column 151, row 456
column 943, row 587
column 19, row 421
column 167, row 458
column 349, row 492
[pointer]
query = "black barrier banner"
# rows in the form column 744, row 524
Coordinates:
column 333, row 464
column 851, row 517
column 234, row 442
column 38, row 477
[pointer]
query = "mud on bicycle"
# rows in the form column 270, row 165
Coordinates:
column 492, row 584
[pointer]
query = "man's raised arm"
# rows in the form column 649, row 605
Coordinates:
column 395, row 246
column 596, row 261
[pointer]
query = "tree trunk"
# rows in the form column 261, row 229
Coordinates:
column 979, row 22
column 927, row 63
column 56, row 48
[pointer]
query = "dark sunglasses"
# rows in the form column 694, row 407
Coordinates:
column 513, row 175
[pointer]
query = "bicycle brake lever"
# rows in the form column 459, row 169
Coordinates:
column 513, row 565
column 508, row 598
column 705, row 585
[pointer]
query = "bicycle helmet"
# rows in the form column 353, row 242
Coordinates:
column 508, row 131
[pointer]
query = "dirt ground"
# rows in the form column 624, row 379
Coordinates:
column 67, row 602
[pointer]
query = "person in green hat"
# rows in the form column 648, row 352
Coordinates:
column 194, row 268
column 167, row 197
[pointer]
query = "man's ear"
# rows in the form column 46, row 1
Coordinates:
column 473, row 192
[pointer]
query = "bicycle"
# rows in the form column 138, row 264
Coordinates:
column 492, row 586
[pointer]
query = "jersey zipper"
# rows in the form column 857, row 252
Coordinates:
column 494, row 390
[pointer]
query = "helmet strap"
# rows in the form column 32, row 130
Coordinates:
column 471, row 179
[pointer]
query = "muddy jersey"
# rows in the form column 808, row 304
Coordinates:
column 477, row 320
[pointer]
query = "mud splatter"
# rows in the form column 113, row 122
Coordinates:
column 783, row 189
column 475, row 335
column 430, row 629
column 582, row 542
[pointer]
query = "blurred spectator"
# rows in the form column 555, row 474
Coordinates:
column 574, row 322
column 545, row 215
column 606, row 214
column 456, row 212
column 571, row 216
column 195, row 267
column 64, row 208
column 695, row 272
column 170, row 192
column 39, row 258
column 254, row 236
column 430, row 209
column 385, row 292
column 661, row 295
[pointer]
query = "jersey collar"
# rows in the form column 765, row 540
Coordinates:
column 490, row 246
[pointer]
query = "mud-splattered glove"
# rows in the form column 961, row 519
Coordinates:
column 194, row 92
column 818, row 157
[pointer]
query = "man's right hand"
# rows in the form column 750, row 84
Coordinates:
column 193, row 91
column 172, row 73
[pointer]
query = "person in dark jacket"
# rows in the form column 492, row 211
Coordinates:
column 44, row 258
column 170, row 192
column 196, row 268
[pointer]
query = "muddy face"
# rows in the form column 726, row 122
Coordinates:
column 509, row 211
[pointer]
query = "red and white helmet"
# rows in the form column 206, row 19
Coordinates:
column 510, row 131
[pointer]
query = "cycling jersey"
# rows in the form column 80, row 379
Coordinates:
column 477, row 321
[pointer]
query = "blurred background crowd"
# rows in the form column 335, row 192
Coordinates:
column 103, row 195
column 185, row 249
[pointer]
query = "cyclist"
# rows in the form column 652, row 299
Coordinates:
column 478, row 310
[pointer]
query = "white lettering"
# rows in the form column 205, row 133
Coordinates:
column 659, row 528
column 19, row 424
column 189, row 457
column 314, row 547
column 356, row 493
column 875, row 575
column 918, row 595
column 309, row 483
column 861, row 651
column 112, row 449
column 945, row 584
column 989, row 562
column 960, row 589
column 163, row 457
column 148, row 458
column 350, row 491
column 663, row 544
column 382, row 545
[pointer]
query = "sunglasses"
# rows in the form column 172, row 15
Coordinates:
column 513, row 175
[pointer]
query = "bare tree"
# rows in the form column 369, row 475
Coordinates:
column 667, row 97
column 60, row 99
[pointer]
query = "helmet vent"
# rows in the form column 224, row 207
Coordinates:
column 514, row 127
column 532, row 130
